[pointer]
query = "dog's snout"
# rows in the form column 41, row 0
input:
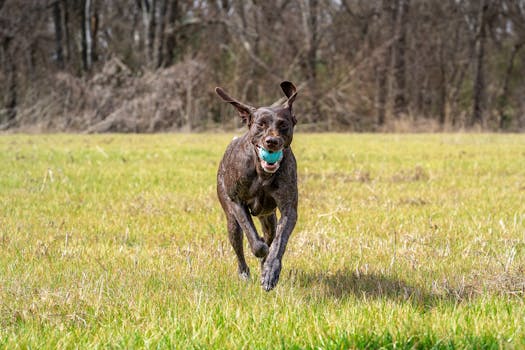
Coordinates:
column 272, row 141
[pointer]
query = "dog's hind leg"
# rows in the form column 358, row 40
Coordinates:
column 268, row 225
column 236, row 239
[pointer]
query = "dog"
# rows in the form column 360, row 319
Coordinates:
column 258, row 175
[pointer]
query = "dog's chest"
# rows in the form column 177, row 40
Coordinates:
column 259, row 197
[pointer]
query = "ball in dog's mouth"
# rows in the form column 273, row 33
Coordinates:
column 270, row 160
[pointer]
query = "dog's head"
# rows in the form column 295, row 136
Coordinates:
column 270, row 128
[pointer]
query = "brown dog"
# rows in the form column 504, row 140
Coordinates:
column 257, row 175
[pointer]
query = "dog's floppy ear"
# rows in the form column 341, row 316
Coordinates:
column 290, row 91
column 245, row 111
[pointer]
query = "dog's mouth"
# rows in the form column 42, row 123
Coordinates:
column 270, row 160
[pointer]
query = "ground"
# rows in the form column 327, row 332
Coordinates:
column 402, row 241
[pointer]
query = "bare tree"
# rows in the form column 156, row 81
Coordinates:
column 57, row 20
column 384, row 64
column 10, row 69
column 514, row 12
column 83, row 8
column 400, row 95
column 171, row 33
column 360, row 63
column 311, row 28
column 478, row 96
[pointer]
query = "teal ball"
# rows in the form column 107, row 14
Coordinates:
column 270, row 157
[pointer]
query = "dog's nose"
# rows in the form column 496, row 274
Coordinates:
column 271, row 141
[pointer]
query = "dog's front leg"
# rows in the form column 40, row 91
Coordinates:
column 273, row 264
column 243, row 217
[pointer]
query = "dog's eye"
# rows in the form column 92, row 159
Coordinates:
column 283, row 127
column 261, row 123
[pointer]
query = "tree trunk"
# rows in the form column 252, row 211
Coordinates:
column 504, row 119
column 382, row 88
column 84, row 35
column 32, row 62
column 171, row 35
column 159, row 56
column 149, row 15
column 66, row 30
column 400, row 95
column 442, row 97
column 87, row 32
column 10, row 99
column 57, row 20
column 89, row 38
column 312, row 40
column 478, row 98
column 239, row 7
column 189, row 105
column 94, row 24
column 442, row 107
column 383, row 70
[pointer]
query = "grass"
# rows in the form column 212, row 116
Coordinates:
column 403, row 241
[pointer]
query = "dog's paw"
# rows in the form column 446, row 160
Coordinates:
column 270, row 274
column 260, row 249
column 244, row 275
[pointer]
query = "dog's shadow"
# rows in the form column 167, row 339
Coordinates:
column 344, row 283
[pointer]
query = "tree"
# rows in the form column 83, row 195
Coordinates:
column 399, row 50
column 57, row 21
column 384, row 65
column 361, row 64
column 10, row 69
column 478, row 96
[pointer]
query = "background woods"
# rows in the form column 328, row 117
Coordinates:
column 362, row 65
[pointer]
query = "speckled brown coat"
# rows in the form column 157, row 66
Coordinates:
column 248, row 186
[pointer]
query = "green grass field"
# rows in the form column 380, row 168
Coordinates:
column 403, row 241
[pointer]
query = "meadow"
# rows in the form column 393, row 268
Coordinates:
column 403, row 241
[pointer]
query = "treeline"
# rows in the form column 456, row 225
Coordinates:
column 361, row 65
